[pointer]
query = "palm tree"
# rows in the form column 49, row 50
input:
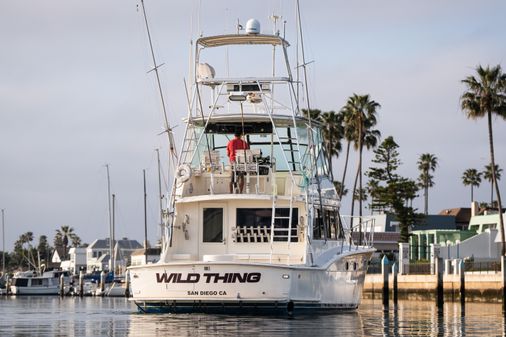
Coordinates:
column 370, row 141
column 348, row 135
column 63, row 236
column 426, row 163
column 471, row 177
column 360, row 118
column 332, row 135
column 485, row 96
column 26, row 253
column 488, row 175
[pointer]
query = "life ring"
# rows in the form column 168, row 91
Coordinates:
column 183, row 173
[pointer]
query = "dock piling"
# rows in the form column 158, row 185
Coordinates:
column 395, row 272
column 62, row 285
column 81, row 283
column 102, row 283
column 439, row 275
column 462, row 274
column 127, row 280
column 503, row 272
column 384, row 272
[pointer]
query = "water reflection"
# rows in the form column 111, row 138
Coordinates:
column 228, row 325
column 426, row 319
column 44, row 316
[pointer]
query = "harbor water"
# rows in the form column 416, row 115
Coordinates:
column 95, row 316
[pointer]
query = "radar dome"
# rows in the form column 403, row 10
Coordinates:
column 253, row 27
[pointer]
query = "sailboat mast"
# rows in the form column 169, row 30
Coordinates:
column 110, row 215
column 3, row 243
column 113, row 256
column 145, row 220
column 160, row 196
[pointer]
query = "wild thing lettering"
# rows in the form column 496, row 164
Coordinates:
column 208, row 278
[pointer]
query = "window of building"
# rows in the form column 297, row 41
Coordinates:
column 213, row 225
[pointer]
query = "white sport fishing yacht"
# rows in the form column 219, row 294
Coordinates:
column 280, row 243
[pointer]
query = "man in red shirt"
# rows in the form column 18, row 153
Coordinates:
column 232, row 147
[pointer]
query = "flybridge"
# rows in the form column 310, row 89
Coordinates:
column 208, row 278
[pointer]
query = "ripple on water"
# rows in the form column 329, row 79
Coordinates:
column 53, row 316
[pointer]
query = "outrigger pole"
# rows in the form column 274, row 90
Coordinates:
column 168, row 129
column 310, row 129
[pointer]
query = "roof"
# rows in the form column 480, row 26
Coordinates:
column 379, row 237
column 99, row 244
column 252, row 118
column 151, row 251
column 241, row 39
column 128, row 244
column 122, row 244
column 57, row 255
column 461, row 214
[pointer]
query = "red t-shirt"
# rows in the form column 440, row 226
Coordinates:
column 234, row 145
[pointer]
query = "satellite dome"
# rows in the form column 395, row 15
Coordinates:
column 253, row 27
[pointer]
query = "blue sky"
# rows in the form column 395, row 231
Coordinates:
column 74, row 94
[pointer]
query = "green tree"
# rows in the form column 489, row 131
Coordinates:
column 360, row 118
column 389, row 191
column 486, row 96
column 25, row 252
column 426, row 163
column 348, row 136
column 471, row 177
column 63, row 236
column 488, row 175
column 339, row 187
column 333, row 131
column 44, row 249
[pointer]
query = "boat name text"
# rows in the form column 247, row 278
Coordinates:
column 208, row 277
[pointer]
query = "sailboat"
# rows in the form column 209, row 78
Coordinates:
column 278, row 243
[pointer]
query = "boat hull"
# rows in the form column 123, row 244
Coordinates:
column 233, row 286
column 52, row 290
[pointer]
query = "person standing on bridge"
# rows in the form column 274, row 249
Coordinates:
column 233, row 145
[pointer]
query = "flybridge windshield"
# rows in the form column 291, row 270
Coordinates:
column 239, row 61
column 249, row 128
column 262, row 140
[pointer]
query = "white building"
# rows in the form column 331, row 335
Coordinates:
column 139, row 257
column 97, row 254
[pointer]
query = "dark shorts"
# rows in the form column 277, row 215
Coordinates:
column 239, row 174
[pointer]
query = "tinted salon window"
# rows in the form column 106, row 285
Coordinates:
column 213, row 225
column 262, row 217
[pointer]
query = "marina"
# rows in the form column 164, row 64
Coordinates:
column 285, row 185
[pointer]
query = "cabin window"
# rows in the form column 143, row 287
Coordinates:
column 37, row 282
column 21, row 282
column 332, row 221
column 254, row 224
column 213, row 225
